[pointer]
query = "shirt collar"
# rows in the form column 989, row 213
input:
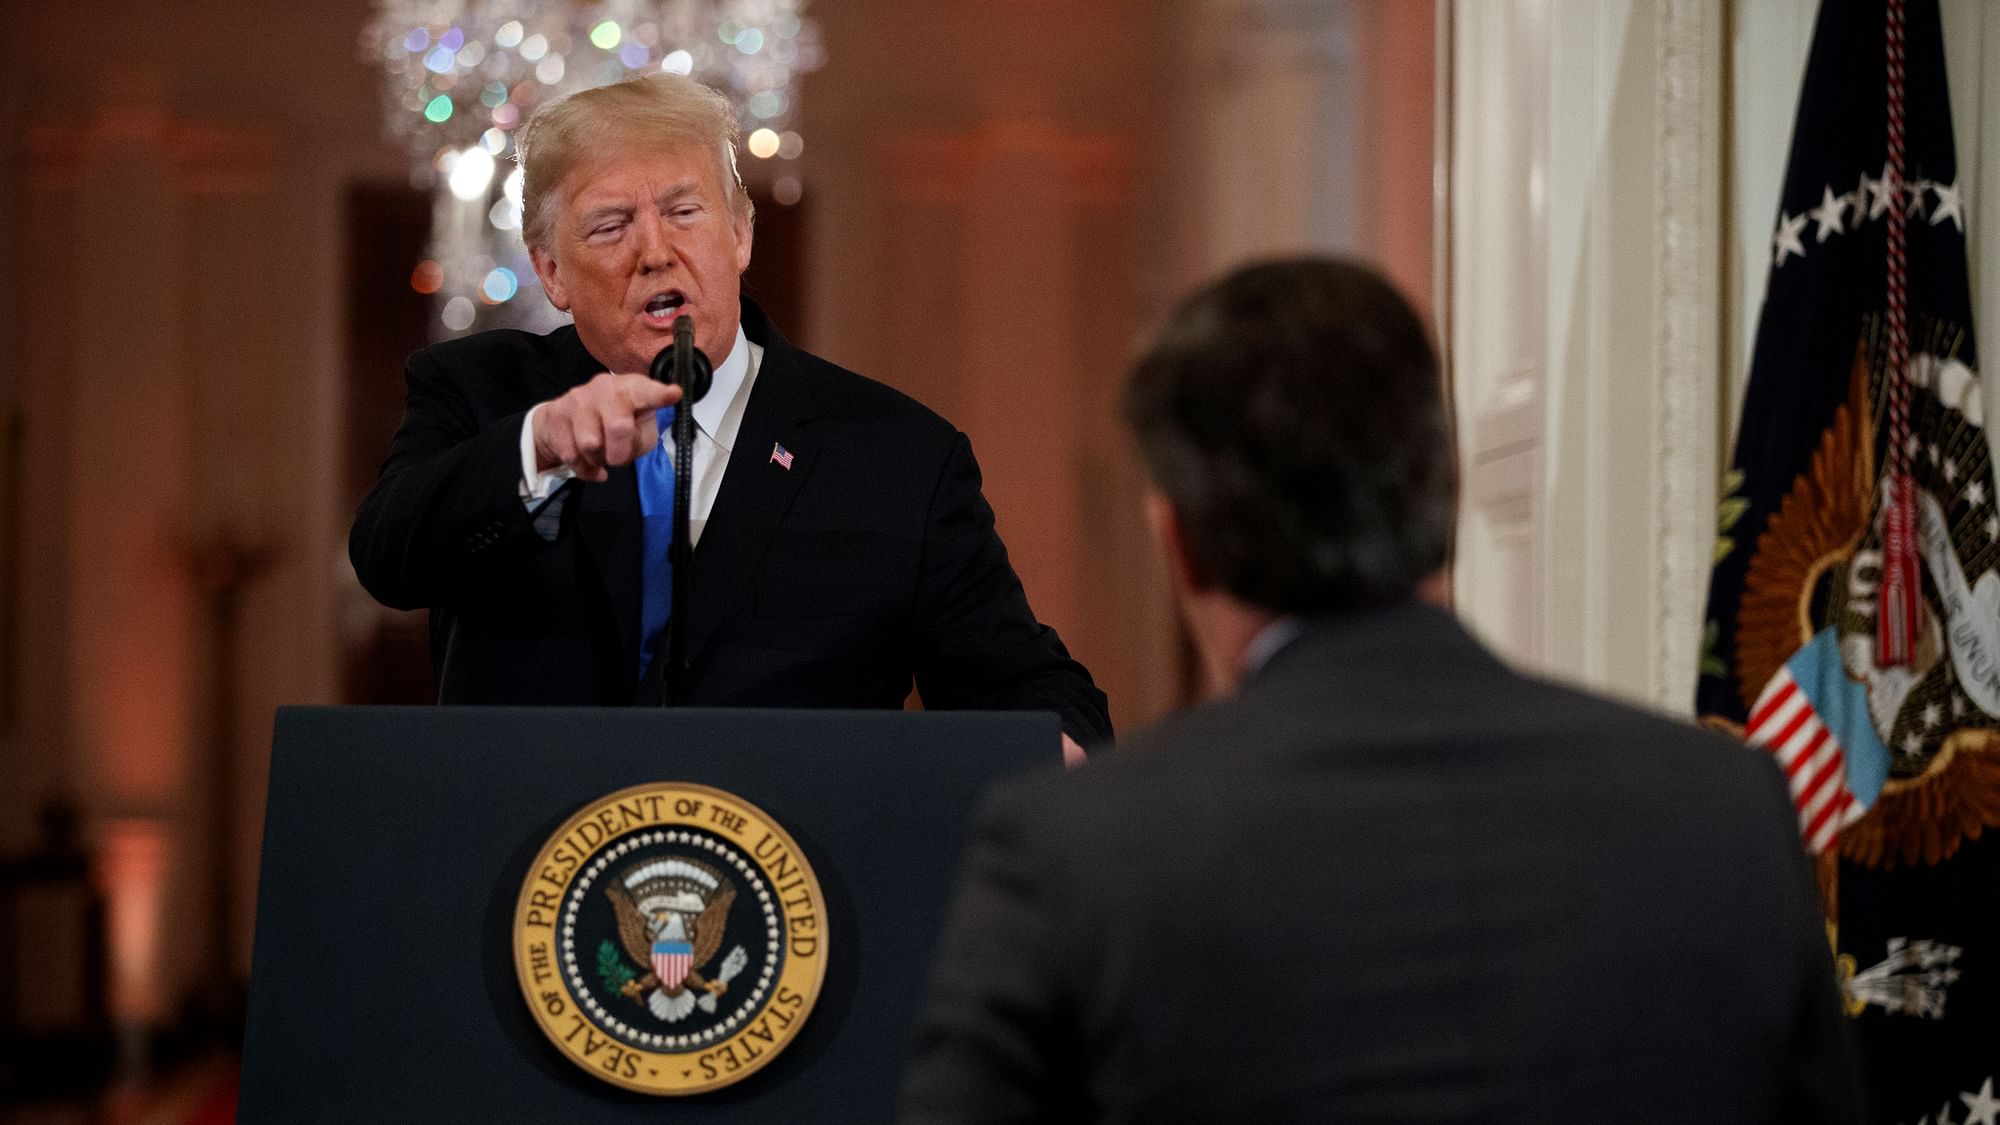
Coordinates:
column 722, row 392
column 1268, row 642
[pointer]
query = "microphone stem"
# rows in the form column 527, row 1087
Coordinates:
column 681, row 556
column 688, row 368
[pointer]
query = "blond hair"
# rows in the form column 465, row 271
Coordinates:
column 667, row 110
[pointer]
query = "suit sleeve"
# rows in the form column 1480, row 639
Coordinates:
column 444, row 524
column 978, row 645
column 999, row 1040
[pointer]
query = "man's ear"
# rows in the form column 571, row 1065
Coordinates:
column 1165, row 524
column 545, row 268
column 745, row 231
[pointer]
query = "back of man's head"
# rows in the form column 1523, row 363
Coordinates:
column 1292, row 415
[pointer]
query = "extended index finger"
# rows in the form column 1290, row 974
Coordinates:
column 645, row 393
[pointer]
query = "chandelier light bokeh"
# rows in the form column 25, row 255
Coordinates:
column 461, row 76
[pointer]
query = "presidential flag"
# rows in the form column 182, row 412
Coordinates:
column 1853, row 624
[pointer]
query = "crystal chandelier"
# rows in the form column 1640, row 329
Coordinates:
column 460, row 76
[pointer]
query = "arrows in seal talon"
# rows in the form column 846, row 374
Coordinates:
column 731, row 965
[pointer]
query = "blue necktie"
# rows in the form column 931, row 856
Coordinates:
column 656, row 568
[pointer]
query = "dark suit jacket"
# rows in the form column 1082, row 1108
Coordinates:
column 829, row 584
column 1390, row 881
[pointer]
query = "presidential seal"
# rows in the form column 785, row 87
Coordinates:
column 670, row 938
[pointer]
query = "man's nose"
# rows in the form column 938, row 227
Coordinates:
column 656, row 244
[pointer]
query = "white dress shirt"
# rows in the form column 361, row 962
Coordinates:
column 717, row 418
column 1268, row 642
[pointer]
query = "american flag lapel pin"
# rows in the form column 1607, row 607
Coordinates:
column 782, row 456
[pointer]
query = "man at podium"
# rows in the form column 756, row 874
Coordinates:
column 842, row 547
column 1384, row 878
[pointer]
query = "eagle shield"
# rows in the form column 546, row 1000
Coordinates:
column 672, row 960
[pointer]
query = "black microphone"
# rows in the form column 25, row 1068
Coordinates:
column 684, row 365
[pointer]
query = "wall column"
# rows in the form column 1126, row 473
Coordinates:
column 138, row 467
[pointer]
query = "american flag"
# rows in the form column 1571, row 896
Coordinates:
column 781, row 455
column 1786, row 723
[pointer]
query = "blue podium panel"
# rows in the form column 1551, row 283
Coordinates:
column 397, row 840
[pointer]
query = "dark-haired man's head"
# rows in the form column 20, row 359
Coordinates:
column 1293, row 420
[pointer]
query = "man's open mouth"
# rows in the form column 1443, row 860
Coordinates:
column 664, row 307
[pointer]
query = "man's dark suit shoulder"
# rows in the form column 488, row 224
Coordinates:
column 845, row 397
column 493, row 348
column 1294, row 725
column 490, row 375
column 499, row 355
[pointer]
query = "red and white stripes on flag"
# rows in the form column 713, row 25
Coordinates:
column 1784, row 722
column 672, row 961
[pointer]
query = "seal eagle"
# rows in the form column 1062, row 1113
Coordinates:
column 665, row 901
